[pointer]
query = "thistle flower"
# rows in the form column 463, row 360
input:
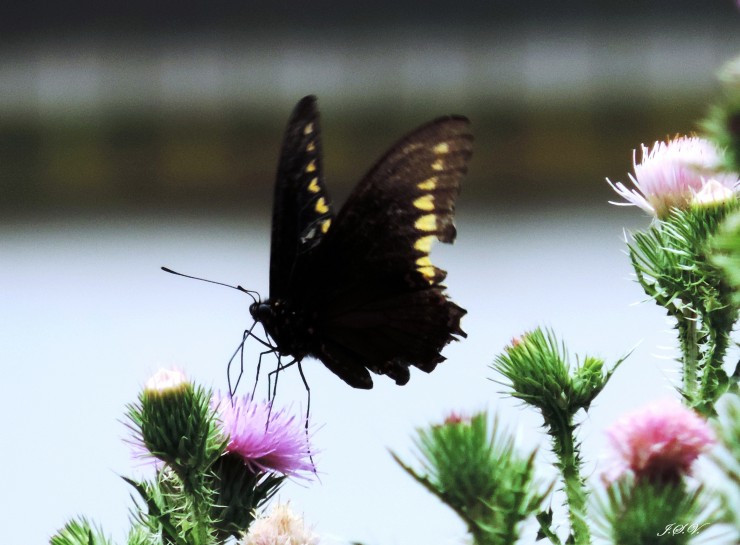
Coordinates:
column 455, row 417
column 280, row 527
column 474, row 468
column 671, row 173
column 166, row 380
column 163, row 384
column 659, row 442
column 539, row 372
column 173, row 422
column 265, row 439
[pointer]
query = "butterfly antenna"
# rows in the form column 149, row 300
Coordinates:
column 253, row 294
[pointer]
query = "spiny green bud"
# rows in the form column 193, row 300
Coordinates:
column 539, row 372
column 174, row 422
column 476, row 471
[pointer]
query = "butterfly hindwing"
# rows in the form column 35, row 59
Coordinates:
column 383, row 307
column 302, row 210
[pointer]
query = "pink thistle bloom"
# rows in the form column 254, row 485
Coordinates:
column 166, row 380
column 266, row 439
column 280, row 527
column 456, row 418
column 671, row 173
column 516, row 341
column 659, row 442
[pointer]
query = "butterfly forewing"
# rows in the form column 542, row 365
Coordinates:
column 302, row 211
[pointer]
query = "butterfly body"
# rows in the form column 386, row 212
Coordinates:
column 290, row 329
column 357, row 290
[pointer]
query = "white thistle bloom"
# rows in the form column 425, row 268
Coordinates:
column 280, row 527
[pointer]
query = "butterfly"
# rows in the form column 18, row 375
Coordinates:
column 357, row 289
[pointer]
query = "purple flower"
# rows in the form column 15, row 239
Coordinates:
column 265, row 438
column 659, row 442
column 671, row 173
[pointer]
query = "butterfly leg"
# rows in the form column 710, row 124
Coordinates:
column 276, row 372
column 308, row 411
column 240, row 350
column 259, row 366
column 272, row 388
column 273, row 393
column 308, row 393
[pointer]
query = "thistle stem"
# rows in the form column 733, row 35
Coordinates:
column 199, row 501
column 689, row 339
column 714, row 377
column 702, row 369
column 483, row 537
column 569, row 463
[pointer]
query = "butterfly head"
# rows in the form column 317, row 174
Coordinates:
column 261, row 312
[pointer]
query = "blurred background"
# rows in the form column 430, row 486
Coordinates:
column 140, row 134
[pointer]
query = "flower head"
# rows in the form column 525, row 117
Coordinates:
column 280, row 527
column 166, row 380
column 265, row 438
column 671, row 173
column 173, row 422
column 455, row 417
column 659, row 442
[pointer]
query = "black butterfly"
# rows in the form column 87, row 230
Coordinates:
column 358, row 290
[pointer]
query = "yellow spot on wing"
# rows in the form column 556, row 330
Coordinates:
column 427, row 222
column 325, row 226
column 424, row 261
column 428, row 185
column 438, row 165
column 313, row 187
column 321, row 207
column 311, row 166
column 444, row 147
column 425, row 203
column 428, row 272
column 424, row 244
column 311, row 146
column 308, row 129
